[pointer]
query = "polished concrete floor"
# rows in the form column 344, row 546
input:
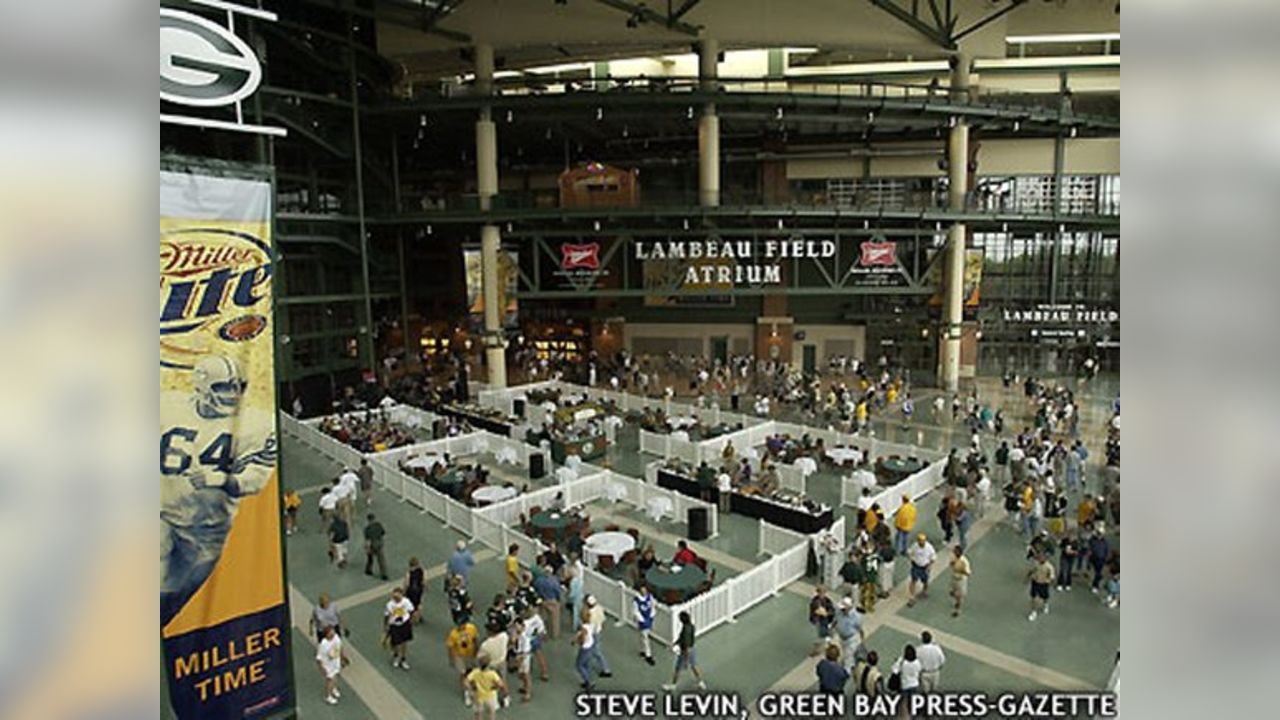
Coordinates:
column 991, row 647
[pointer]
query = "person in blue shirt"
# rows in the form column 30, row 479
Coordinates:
column 644, row 613
column 848, row 627
column 547, row 585
column 461, row 562
column 832, row 675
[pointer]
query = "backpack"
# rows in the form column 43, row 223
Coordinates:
column 895, row 683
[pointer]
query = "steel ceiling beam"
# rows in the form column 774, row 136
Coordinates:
column 1013, row 5
column 649, row 15
column 683, row 10
column 935, row 33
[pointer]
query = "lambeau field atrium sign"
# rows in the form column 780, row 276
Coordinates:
column 733, row 262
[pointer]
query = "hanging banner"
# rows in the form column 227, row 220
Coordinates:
column 224, row 621
column 972, row 293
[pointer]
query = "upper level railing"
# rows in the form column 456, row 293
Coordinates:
column 818, row 86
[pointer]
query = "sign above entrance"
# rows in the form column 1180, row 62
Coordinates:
column 206, row 70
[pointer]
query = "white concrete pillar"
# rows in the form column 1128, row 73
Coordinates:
column 490, row 238
column 708, row 126
column 953, row 271
column 495, row 354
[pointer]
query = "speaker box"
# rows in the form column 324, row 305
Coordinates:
column 517, row 407
column 698, row 524
column 438, row 429
column 537, row 466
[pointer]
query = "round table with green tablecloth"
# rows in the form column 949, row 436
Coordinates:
column 555, row 524
column 684, row 582
column 899, row 468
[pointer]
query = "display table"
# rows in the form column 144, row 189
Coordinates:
column 613, row 544
column 684, row 582
column 842, row 455
column 493, row 493
column 426, row 462
column 478, row 419
column 785, row 515
column 552, row 525
column 589, row 448
column 898, row 468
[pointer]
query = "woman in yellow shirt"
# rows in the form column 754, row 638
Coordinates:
column 513, row 568
column 485, row 684
column 461, row 644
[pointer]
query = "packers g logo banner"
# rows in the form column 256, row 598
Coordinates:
column 224, row 622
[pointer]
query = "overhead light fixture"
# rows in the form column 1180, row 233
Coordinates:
column 599, row 113
column 1017, row 125
column 509, row 116
column 1063, row 38
column 422, row 120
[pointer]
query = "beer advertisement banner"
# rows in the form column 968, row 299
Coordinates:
column 224, row 621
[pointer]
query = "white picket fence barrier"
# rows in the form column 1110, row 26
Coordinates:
column 917, row 486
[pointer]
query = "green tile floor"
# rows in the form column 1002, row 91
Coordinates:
column 766, row 647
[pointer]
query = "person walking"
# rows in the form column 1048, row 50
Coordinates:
column 644, row 615
column 325, row 614
column 908, row 669
column 373, row 536
column 888, row 557
column 867, row 678
column 1098, row 551
column 549, row 590
column 397, row 624
column 584, row 639
column 870, row 579
column 822, row 613
column 461, row 562
column 365, row 473
column 1068, row 551
column 485, row 685
column 496, row 647
column 292, row 502
column 960, row 573
column 415, row 584
column 460, row 604
column 832, row 674
column 931, row 661
column 922, row 554
column 461, row 645
column 595, row 615
column 331, row 658
column 534, row 631
column 904, row 521
column 512, row 567
column 848, row 628
column 339, row 534
column 1041, row 576
column 576, row 591
column 685, row 655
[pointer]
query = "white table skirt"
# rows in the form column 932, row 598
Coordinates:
column 613, row 544
column 494, row 493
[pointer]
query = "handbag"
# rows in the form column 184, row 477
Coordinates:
column 895, row 682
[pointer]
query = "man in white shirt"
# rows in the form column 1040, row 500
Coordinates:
column 328, row 505
column 931, row 661
column 984, row 491
column 348, row 490
column 865, row 479
column 724, row 485
column 922, row 556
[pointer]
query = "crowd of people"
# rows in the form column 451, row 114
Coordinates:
column 369, row 431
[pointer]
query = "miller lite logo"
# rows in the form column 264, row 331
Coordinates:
column 586, row 256
column 879, row 254
column 215, row 285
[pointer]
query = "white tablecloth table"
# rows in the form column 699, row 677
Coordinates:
column 659, row 507
column 493, row 493
column 426, row 462
column 681, row 422
column 616, row 492
column 680, row 435
column 806, row 466
column 613, row 544
column 507, row 455
column 842, row 455
column 565, row 475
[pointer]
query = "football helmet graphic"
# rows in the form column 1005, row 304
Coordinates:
column 217, row 384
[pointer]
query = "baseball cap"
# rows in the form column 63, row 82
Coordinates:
column 846, row 602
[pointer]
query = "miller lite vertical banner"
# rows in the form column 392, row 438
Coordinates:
column 224, row 621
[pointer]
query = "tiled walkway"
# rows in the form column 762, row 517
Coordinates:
column 991, row 646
